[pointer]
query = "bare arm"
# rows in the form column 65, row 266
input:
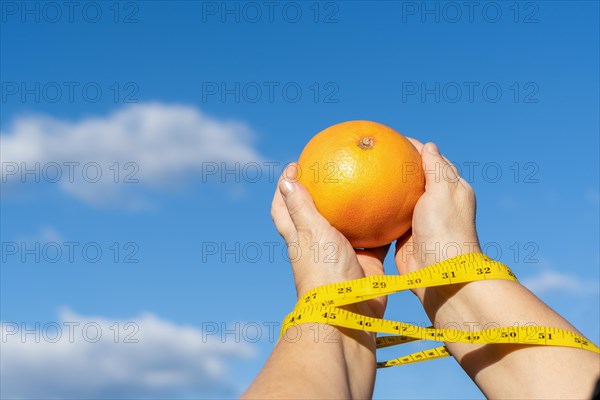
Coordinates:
column 512, row 371
column 316, row 360
column 445, row 215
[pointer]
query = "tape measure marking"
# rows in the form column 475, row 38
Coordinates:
column 320, row 305
column 461, row 269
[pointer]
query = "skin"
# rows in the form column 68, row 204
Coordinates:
column 322, row 361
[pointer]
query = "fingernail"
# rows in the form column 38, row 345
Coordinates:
column 432, row 148
column 286, row 187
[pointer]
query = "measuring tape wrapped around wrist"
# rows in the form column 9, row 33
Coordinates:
column 321, row 305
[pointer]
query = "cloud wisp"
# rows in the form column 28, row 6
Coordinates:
column 548, row 281
column 94, row 357
column 104, row 160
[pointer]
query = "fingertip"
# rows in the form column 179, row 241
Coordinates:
column 299, row 203
column 432, row 148
column 286, row 187
column 290, row 172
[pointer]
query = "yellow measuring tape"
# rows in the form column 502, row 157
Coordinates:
column 321, row 305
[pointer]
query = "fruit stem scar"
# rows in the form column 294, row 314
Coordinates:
column 366, row 143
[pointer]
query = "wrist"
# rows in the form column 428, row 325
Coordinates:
column 359, row 349
column 475, row 302
column 320, row 332
column 363, row 338
column 345, row 350
column 428, row 259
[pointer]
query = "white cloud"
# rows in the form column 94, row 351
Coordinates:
column 165, row 144
column 554, row 281
column 168, row 360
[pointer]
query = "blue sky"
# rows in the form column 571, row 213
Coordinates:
column 169, row 90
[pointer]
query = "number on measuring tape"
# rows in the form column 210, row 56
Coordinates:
column 320, row 304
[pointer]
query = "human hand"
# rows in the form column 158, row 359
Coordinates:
column 339, row 363
column 318, row 252
column 443, row 224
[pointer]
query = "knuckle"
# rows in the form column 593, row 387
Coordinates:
column 295, row 208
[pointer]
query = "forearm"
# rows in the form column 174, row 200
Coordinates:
column 318, row 361
column 533, row 371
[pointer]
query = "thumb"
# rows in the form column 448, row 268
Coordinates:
column 437, row 168
column 299, row 204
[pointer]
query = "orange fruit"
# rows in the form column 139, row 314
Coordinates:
column 365, row 179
